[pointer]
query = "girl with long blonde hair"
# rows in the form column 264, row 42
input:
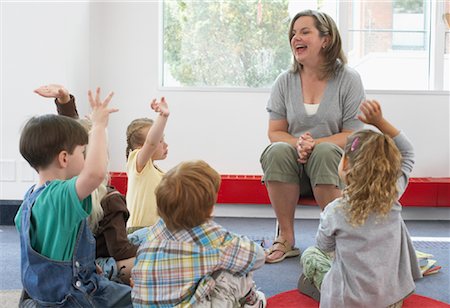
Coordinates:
column 364, row 255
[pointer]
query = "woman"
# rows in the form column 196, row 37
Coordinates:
column 312, row 109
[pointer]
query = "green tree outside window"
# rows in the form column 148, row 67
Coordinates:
column 226, row 43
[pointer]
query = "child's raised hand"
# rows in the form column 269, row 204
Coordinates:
column 54, row 91
column 161, row 107
column 371, row 112
column 100, row 111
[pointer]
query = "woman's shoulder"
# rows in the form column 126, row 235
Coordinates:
column 289, row 73
column 285, row 79
column 286, row 75
column 348, row 73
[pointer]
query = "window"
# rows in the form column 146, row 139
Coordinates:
column 394, row 45
column 446, row 73
column 224, row 43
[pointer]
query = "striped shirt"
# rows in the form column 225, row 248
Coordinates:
column 171, row 266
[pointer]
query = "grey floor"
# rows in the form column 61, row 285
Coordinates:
column 272, row 278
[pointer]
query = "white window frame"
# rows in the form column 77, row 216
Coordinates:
column 437, row 46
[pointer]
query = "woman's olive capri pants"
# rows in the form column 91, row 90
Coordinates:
column 279, row 162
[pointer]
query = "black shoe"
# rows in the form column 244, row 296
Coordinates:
column 305, row 286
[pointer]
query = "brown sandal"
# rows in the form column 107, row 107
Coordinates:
column 282, row 245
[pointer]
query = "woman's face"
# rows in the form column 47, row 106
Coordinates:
column 306, row 42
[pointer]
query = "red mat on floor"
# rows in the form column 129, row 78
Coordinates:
column 294, row 299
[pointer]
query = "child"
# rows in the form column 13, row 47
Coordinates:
column 374, row 263
column 145, row 144
column 57, row 247
column 107, row 221
column 188, row 259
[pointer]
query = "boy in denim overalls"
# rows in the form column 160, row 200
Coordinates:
column 57, row 247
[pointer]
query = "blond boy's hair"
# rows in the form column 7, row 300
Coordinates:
column 186, row 195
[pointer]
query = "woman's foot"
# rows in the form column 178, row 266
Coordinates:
column 280, row 250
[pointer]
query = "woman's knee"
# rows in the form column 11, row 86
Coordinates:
column 322, row 166
column 278, row 149
column 279, row 155
column 327, row 151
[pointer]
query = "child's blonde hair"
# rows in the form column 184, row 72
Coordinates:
column 186, row 195
column 374, row 163
column 135, row 137
column 97, row 210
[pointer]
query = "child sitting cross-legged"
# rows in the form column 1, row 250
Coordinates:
column 188, row 260
column 145, row 145
column 374, row 263
column 57, row 247
column 107, row 221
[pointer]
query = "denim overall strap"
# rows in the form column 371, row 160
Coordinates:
column 51, row 282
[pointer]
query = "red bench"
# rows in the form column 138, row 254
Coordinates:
column 247, row 189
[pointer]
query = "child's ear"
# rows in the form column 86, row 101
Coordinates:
column 343, row 168
column 63, row 159
column 345, row 163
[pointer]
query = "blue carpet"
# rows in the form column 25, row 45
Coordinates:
column 273, row 278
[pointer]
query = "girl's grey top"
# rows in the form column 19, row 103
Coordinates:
column 337, row 111
column 375, row 264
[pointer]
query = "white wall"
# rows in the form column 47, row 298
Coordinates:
column 119, row 51
column 40, row 43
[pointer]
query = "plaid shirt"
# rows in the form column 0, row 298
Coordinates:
column 172, row 267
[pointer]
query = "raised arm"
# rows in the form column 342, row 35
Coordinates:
column 65, row 102
column 372, row 114
column 96, row 162
column 155, row 133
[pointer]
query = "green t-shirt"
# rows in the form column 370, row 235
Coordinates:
column 56, row 218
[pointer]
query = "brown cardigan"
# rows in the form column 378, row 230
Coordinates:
column 111, row 236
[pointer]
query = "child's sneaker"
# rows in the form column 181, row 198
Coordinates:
column 254, row 299
column 305, row 286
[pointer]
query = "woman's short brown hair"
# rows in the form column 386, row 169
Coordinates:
column 186, row 195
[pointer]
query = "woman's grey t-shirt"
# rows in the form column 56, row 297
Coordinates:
column 337, row 111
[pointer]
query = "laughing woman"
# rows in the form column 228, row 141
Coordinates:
column 312, row 109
